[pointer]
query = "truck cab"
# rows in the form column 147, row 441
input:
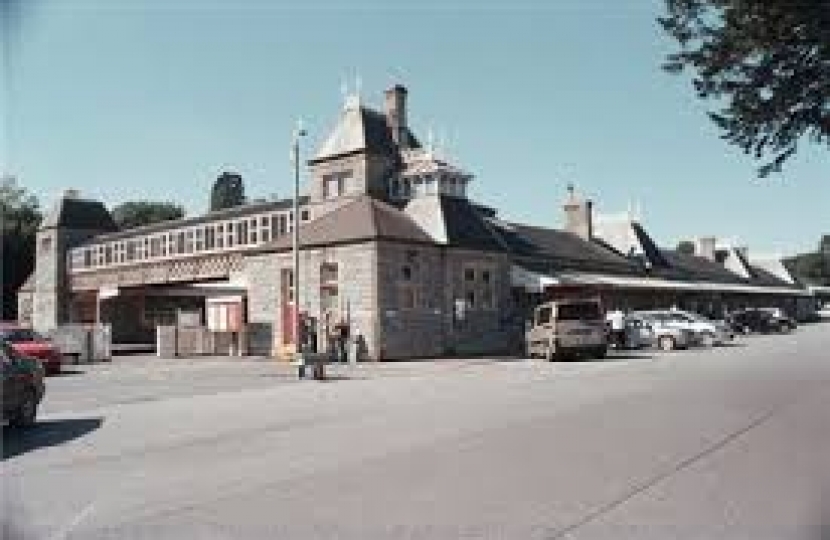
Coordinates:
column 567, row 328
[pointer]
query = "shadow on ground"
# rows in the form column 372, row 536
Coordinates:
column 613, row 357
column 44, row 433
column 65, row 372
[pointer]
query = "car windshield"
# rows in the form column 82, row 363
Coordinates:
column 19, row 335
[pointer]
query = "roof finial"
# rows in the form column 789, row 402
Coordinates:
column 430, row 141
column 358, row 85
column 344, row 90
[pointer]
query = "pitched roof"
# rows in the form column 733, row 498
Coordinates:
column 79, row 214
column 455, row 222
column 360, row 129
column 362, row 219
column 694, row 268
column 761, row 276
column 568, row 249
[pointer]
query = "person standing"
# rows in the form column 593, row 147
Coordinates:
column 617, row 320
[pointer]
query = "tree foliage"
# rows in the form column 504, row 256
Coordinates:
column 767, row 65
column 20, row 217
column 228, row 191
column 137, row 213
column 686, row 247
column 813, row 267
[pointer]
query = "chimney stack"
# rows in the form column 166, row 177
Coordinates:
column 396, row 114
column 705, row 247
column 579, row 215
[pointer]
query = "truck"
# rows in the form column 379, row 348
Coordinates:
column 562, row 329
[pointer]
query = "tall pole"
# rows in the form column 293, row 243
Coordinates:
column 298, row 132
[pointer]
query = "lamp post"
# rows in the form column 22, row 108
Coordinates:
column 295, row 321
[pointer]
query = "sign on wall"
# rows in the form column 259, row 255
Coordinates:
column 224, row 314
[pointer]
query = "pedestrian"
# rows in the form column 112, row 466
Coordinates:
column 617, row 320
column 341, row 337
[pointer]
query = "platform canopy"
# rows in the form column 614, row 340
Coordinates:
column 536, row 282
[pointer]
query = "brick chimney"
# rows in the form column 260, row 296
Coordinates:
column 579, row 215
column 396, row 114
column 705, row 247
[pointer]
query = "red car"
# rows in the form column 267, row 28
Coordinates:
column 29, row 343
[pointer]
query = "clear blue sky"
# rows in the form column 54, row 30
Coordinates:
column 152, row 99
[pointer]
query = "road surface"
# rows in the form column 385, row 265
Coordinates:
column 731, row 442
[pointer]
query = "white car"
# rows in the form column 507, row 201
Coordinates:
column 706, row 332
column 653, row 331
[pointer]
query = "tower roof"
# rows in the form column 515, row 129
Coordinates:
column 360, row 129
column 71, row 212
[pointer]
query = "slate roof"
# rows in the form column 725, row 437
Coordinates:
column 761, row 276
column 466, row 226
column 79, row 214
column 694, row 268
column 362, row 219
column 361, row 129
column 569, row 250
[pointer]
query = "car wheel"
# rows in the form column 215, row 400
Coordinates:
column 708, row 340
column 666, row 343
column 27, row 410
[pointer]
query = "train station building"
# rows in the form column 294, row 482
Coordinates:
column 391, row 245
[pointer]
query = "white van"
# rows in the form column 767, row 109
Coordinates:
column 567, row 328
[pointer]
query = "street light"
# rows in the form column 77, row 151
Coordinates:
column 298, row 132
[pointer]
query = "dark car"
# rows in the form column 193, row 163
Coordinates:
column 757, row 320
column 781, row 316
column 23, row 387
column 33, row 345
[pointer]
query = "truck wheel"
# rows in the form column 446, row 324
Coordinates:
column 666, row 343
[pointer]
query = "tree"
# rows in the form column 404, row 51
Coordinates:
column 812, row 267
column 20, row 217
column 767, row 65
column 137, row 213
column 686, row 247
column 228, row 191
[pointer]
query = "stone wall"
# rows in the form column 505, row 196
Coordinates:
column 436, row 325
column 261, row 274
column 357, row 296
column 412, row 326
column 485, row 327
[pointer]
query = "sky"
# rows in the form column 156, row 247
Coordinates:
column 153, row 99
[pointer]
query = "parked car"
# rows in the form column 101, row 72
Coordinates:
column 23, row 387
column 781, row 316
column 704, row 331
column 656, row 332
column 29, row 343
column 567, row 328
column 756, row 320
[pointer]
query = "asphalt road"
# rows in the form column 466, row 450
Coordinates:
column 727, row 443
